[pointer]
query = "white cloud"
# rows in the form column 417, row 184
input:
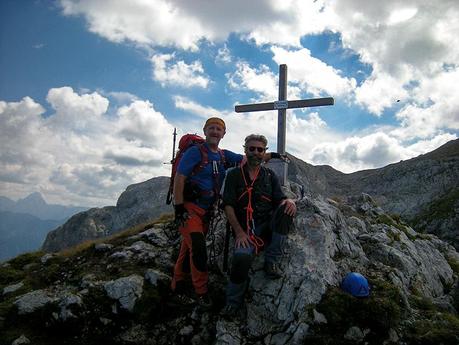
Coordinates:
column 380, row 91
column 223, row 55
column 261, row 80
column 183, row 23
column 79, row 154
column 371, row 151
column 178, row 73
column 312, row 74
column 404, row 42
column 75, row 112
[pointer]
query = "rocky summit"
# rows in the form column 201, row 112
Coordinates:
column 115, row 290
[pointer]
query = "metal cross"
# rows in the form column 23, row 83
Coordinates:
column 282, row 105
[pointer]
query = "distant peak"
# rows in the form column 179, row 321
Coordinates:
column 35, row 197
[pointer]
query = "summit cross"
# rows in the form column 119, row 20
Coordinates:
column 281, row 105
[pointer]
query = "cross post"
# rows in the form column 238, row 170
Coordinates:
column 279, row 166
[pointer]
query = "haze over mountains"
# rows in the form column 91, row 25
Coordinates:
column 25, row 223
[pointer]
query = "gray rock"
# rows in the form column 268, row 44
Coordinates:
column 227, row 333
column 355, row 334
column 67, row 302
column 103, row 247
column 45, row 258
column 12, row 288
column 22, row 340
column 32, row 301
column 153, row 277
column 126, row 290
column 318, row 317
column 186, row 331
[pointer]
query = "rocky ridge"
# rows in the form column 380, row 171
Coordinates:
column 140, row 202
column 424, row 190
column 116, row 290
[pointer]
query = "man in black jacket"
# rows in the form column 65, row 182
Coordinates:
column 260, row 215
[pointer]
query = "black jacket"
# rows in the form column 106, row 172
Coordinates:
column 266, row 195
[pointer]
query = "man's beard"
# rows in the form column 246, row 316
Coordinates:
column 254, row 160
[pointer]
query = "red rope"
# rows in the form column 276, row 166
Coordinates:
column 250, row 225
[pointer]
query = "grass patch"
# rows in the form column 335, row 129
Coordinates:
column 379, row 312
column 441, row 208
column 441, row 328
column 453, row 263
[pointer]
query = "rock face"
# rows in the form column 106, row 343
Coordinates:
column 423, row 190
column 119, row 292
column 139, row 203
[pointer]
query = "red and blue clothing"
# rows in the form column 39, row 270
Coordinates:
column 208, row 182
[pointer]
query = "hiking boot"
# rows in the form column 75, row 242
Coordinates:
column 204, row 301
column 272, row 270
column 181, row 299
column 230, row 312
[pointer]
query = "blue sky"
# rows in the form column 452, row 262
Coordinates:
column 91, row 90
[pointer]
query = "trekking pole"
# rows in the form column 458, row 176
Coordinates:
column 173, row 145
column 169, row 193
column 226, row 247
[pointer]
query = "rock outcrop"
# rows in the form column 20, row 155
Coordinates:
column 424, row 190
column 118, row 292
column 138, row 204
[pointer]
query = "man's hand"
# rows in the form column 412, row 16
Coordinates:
column 283, row 156
column 242, row 240
column 181, row 214
column 290, row 207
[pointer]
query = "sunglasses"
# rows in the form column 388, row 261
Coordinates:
column 259, row 149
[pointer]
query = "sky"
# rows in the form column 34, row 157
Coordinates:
column 91, row 90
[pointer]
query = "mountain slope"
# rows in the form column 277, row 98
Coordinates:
column 20, row 233
column 413, row 189
column 139, row 203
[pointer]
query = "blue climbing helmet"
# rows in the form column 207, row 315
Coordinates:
column 356, row 284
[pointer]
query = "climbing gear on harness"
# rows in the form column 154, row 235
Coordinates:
column 256, row 241
column 356, row 284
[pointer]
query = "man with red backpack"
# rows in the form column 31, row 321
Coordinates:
column 196, row 190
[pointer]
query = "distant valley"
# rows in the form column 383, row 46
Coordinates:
column 25, row 223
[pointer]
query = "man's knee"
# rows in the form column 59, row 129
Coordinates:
column 282, row 221
column 240, row 268
column 199, row 251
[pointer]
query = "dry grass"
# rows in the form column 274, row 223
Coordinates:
column 88, row 244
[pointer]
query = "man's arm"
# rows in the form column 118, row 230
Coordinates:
column 242, row 240
column 280, row 198
column 179, row 208
column 179, row 186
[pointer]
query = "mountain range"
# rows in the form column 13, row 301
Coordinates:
column 25, row 223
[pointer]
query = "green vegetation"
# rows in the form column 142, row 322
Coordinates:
column 436, row 328
column 378, row 313
column 453, row 263
column 441, row 208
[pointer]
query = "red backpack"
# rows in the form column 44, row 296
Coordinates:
column 187, row 141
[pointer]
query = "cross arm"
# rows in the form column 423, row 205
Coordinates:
column 302, row 103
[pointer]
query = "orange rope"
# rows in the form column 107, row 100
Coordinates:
column 254, row 239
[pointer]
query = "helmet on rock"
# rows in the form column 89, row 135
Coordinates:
column 356, row 284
